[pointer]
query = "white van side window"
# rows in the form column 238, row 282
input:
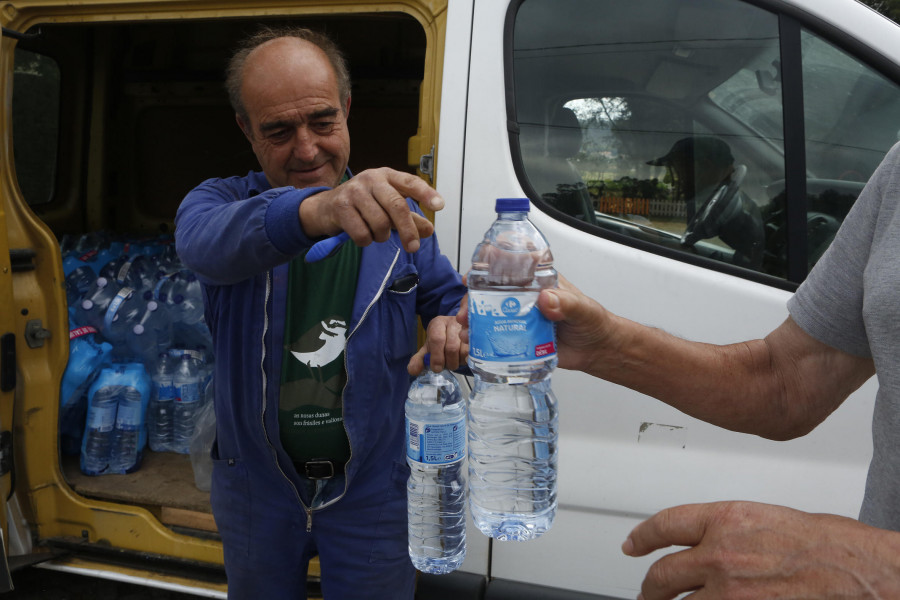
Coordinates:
column 670, row 134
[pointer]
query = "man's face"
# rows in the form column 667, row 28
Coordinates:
column 683, row 170
column 297, row 125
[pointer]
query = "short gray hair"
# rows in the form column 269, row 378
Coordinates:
column 234, row 72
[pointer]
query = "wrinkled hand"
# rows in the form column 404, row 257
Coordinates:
column 369, row 205
column 583, row 327
column 443, row 341
column 759, row 551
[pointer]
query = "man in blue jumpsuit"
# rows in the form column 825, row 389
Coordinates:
column 311, row 358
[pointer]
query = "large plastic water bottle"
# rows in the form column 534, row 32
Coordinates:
column 187, row 402
column 183, row 296
column 121, row 315
column 436, row 489
column 95, row 302
column 98, row 431
column 125, row 451
column 151, row 332
column 161, row 412
column 79, row 279
column 512, row 353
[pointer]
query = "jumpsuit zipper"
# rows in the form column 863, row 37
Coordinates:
column 308, row 509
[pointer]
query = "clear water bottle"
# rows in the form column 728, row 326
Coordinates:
column 121, row 314
column 182, row 293
column 187, row 402
column 98, row 431
column 436, row 489
column 513, row 419
column 86, row 356
column 161, row 412
column 125, row 451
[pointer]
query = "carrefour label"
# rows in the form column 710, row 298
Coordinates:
column 435, row 444
column 508, row 327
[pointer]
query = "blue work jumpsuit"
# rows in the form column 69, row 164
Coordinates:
column 238, row 236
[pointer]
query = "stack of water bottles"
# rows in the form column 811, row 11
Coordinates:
column 512, row 417
column 132, row 304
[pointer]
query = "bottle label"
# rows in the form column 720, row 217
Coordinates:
column 102, row 418
column 508, row 327
column 128, row 416
column 435, row 444
column 166, row 392
column 189, row 392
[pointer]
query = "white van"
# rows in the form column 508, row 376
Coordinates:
column 600, row 112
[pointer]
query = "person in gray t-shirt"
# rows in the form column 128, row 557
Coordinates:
column 844, row 327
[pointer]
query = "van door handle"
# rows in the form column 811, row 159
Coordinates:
column 7, row 362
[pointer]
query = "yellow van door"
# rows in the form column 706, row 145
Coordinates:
column 8, row 343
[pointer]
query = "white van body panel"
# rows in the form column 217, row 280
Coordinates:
column 624, row 456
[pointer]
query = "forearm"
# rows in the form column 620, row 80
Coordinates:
column 225, row 240
column 730, row 386
column 779, row 387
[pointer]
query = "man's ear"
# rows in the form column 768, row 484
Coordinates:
column 347, row 108
column 245, row 127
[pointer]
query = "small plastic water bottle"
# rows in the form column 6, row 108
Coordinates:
column 125, row 453
column 513, row 419
column 187, row 402
column 98, row 431
column 161, row 412
column 436, row 489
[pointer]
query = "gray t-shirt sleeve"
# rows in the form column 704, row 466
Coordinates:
column 828, row 305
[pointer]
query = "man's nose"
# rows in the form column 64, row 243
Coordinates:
column 305, row 145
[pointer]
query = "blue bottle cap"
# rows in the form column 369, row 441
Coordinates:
column 513, row 205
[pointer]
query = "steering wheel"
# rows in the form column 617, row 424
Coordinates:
column 704, row 224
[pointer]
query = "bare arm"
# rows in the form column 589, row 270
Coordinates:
column 778, row 387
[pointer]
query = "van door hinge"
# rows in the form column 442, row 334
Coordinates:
column 35, row 334
column 7, row 362
column 426, row 164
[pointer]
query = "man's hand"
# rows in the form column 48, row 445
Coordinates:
column 369, row 205
column 760, row 551
column 448, row 350
column 583, row 327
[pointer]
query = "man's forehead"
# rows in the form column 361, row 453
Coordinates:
column 298, row 117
